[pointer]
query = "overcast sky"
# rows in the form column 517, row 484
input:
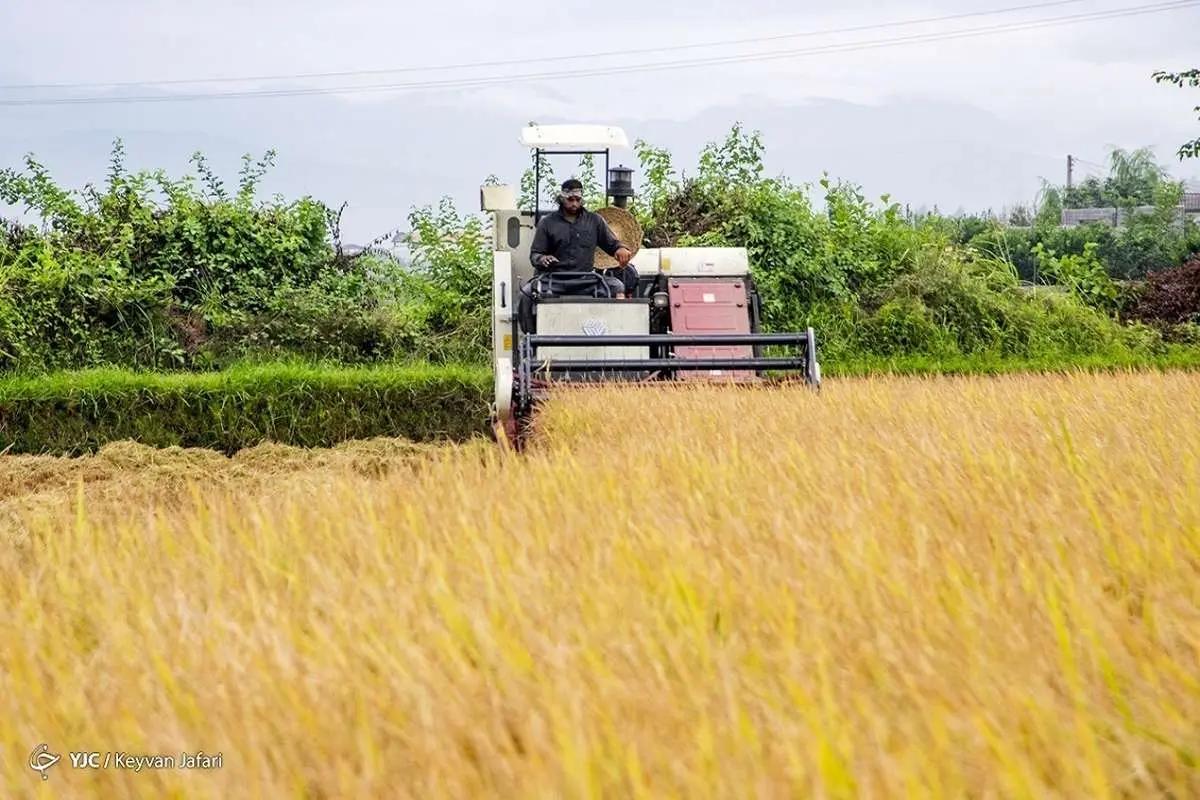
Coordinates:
column 972, row 124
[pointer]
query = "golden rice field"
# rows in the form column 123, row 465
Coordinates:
column 896, row 588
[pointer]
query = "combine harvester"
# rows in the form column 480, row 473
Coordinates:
column 694, row 315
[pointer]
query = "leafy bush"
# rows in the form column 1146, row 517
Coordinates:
column 153, row 272
column 1083, row 275
column 450, row 285
column 63, row 309
column 1172, row 296
column 875, row 283
column 144, row 270
column 904, row 325
column 1146, row 243
column 347, row 318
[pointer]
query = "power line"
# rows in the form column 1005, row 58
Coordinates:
column 1090, row 175
column 465, row 83
column 539, row 59
column 1090, row 163
column 1092, row 170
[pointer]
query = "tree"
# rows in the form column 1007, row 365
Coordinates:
column 1190, row 78
column 737, row 161
column 1088, row 193
column 1020, row 216
column 1134, row 179
column 1049, row 206
column 593, row 191
column 549, row 189
column 658, row 182
column 545, row 175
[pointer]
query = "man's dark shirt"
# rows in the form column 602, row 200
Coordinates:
column 572, row 243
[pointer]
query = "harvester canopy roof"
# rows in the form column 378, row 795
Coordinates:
column 578, row 137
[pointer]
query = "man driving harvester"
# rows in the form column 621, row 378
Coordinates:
column 566, row 241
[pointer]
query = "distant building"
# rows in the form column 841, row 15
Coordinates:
column 1072, row 217
column 1082, row 216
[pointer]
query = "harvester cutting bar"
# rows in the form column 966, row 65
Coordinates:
column 678, row 364
column 681, row 340
column 805, row 360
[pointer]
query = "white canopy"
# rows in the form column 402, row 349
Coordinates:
column 574, row 137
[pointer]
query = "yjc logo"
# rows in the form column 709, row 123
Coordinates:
column 41, row 759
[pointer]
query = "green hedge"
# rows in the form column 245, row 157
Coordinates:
column 310, row 406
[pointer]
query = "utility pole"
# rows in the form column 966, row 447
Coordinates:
column 1070, row 171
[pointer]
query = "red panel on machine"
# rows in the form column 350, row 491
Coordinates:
column 711, row 305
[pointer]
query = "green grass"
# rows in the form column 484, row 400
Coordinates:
column 310, row 406
column 1175, row 358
